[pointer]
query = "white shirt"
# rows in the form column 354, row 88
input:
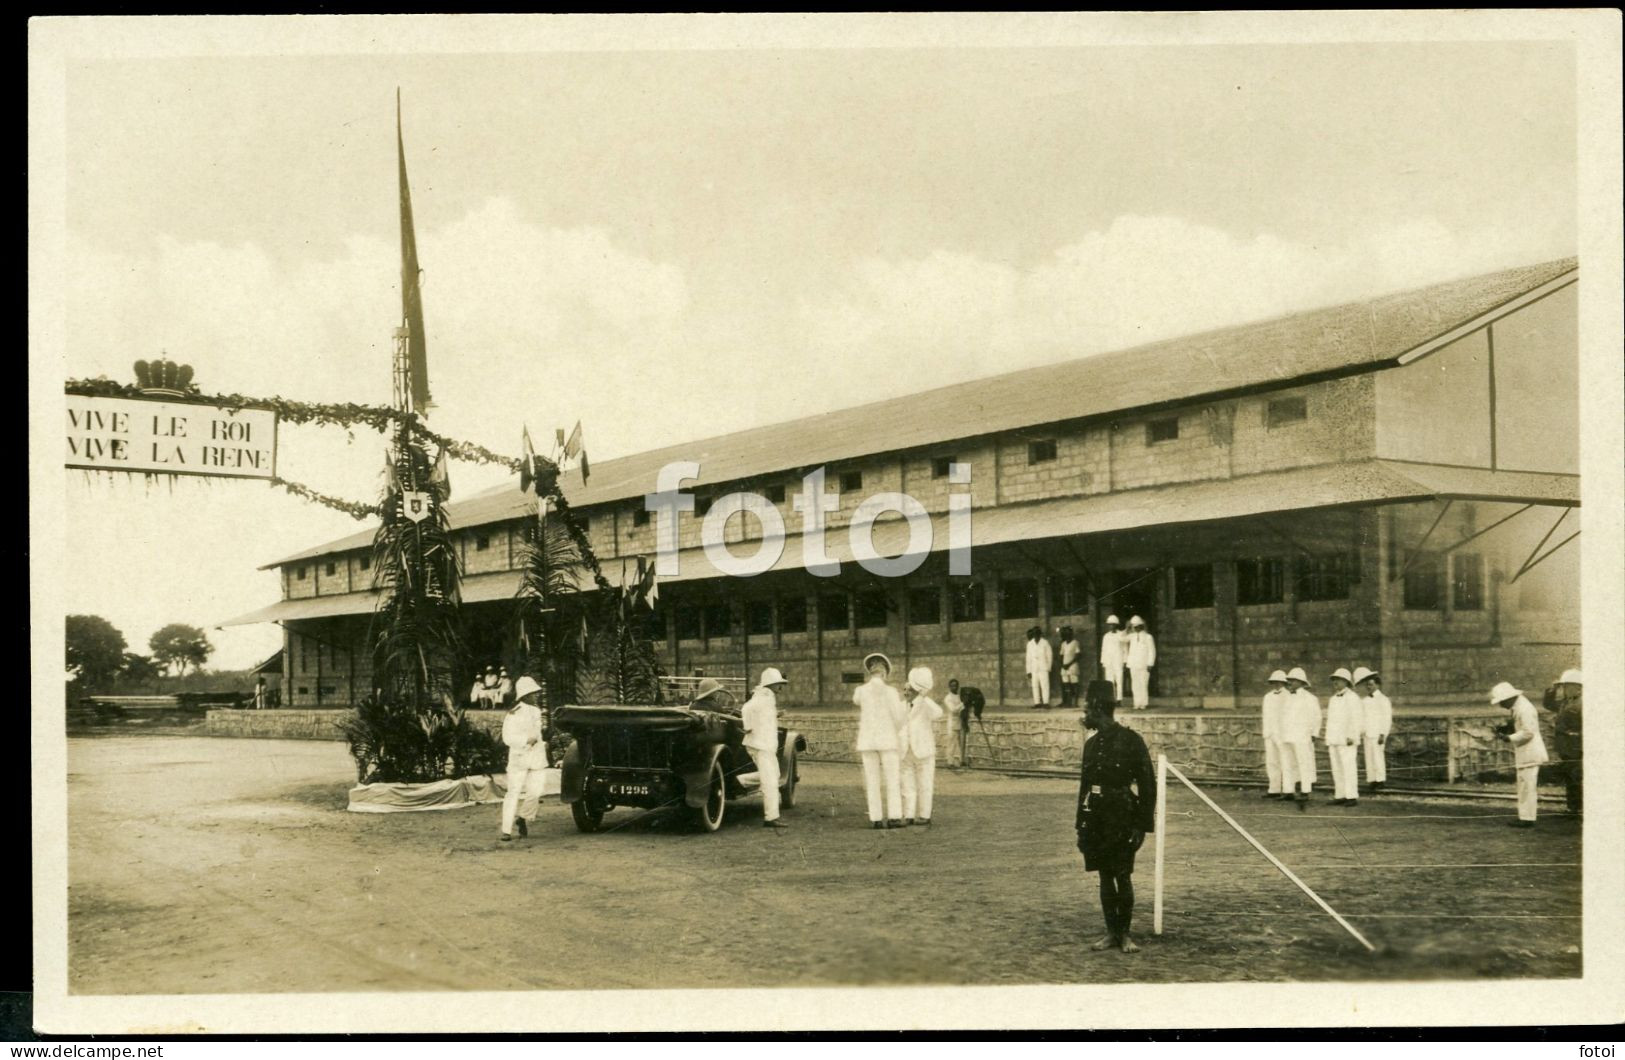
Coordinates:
column 881, row 715
column 1300, row 722
column 1040, row 656
column 761, row 717
column 1274, row 710
column 1528, row 748
column 1069, row 655
column 1343, row 718
column 1111, row 650
column 952, row 706
column 920, row 740
column 522, row 733
column 1377, row 718
column 1141, row 650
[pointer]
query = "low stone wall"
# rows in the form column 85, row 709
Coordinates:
column 1425, row 748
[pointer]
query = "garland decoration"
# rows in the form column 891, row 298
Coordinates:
column 354, row 509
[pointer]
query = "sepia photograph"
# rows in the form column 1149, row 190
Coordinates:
column 825, row 522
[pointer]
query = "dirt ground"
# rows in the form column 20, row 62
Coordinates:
column 202, row 865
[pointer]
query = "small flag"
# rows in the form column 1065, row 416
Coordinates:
column 584, row 471
column 440, row 478
column 527, row 462
column 558, row 438
column 391, row 475
column 411, row 281
column 573, row 446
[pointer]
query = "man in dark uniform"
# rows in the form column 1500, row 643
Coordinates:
column 974, row 702
column 1565, row 697
column 1117, row 794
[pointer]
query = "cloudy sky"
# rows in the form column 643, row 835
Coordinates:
column 668, row 245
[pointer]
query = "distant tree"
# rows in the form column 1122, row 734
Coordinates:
column 95, row 649
column 139, row 668
column 177, row 646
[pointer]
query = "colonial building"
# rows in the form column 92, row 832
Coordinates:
column 1385, row 483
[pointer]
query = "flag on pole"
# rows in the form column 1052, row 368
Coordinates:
column 558, row 438
column 440, row 478
column 527, row 462
column 573, row 446
column 584, row 471
column 411, row 291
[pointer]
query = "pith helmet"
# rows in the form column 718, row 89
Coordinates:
column 1279, row 675
column 1297, row 674
column 1503, row 692
column 1361, row 673
column 869, row 660
column 524, row 687
column 1343, row 672
column 1570, row 677
column 1113, row 620
column 708, row 687
column 771, row 677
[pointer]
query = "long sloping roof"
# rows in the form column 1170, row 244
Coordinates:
column 1321, row 343
column 1354, row 484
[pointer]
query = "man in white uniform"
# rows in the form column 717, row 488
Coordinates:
column 527, row 757
column 881, row 718
column 1070, row 651
column 1528, row 749
column 1140, row 652
column 484, row 694
column 1376, row 722
column 919, row 765
column 1040, row 658
column 1300, row 724
column 1274, row 710
column 952, row 705
column 1343, row 713
column 1111, row 654
column 760, row 715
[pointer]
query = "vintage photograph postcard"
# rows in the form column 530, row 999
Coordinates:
column 698, row 523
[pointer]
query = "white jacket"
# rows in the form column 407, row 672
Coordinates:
column 1141, row 651
column 1040, row 656
column 1528, row 748
column 1070, row 650
column 522, row 733
column 1111, row 651
column 1300, row 722
column 1377, row 719
column 920, row 739
column 881, row 715
column 761, row 717
column 1343, row 718
column 1274, row 711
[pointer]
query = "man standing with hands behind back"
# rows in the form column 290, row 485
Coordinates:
column 760, row 716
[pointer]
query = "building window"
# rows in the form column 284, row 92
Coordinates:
column 1424, row 583
column 968, row 602
column 793, row 614
column 482, row 542
column 1193, row 587
column 924, row 605
column 1068, row 594
column 759, row 617
column 832, row 612
column 870, row 606
column 1283, row 412
column 1324, row 576
column 654, row 625
column 640, row 517
column 1020, row 598
column 1163, row 430
column 366, row 562
column 702, row 504
column 940, row 465
column 851, row 481
column 718, row 621
column 332, row 569
column 1260, row 581
column 688, row 622
column 774, row 494
column 1041, row 452
column 299, row 573
column 1467, row 581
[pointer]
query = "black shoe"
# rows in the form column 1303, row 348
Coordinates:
column 908, row 823
column 506, row 838
column 924, row 822
column 1351, row 802
column 877, row 824
column 1269, row 795
column 1520, row 824
column 523, row 831
column 895, row 822
column 774, row 823
column 1303, row 803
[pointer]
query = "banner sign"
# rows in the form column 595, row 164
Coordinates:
column 170, row 438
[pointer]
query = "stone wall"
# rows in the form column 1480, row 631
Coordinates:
column 306, row 724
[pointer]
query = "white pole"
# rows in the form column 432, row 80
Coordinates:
column 1162, row 830
column 1288, row 873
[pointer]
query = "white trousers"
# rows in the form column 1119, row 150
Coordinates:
column 1376, row 761
column 1345, row 778
column 521, row 798
column 1528, row 794
column 767, row 768
column 919, row 780
column 1140, row 678
column 1115, row 676
column 1298, row 766
column 878, row 767
column 1272, row 764
column 1040, row 686
column 956, row 753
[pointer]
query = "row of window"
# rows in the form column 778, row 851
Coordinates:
column 330, row 568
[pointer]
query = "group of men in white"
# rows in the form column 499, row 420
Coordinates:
column 1358, row 717
column 1133, row 650
column 897, row 744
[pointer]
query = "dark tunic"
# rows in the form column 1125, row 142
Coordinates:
column 1114, row 759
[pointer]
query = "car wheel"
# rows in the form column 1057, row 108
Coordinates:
column 587, row 819
column 708, row 818
column 787, row 791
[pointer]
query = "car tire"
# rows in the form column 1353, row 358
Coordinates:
column 587, row 820
column 708, row 817
column 787, row 790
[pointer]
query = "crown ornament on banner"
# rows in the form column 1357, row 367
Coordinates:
column 163, row 378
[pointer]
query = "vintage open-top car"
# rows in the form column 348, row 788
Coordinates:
column 682, row 759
